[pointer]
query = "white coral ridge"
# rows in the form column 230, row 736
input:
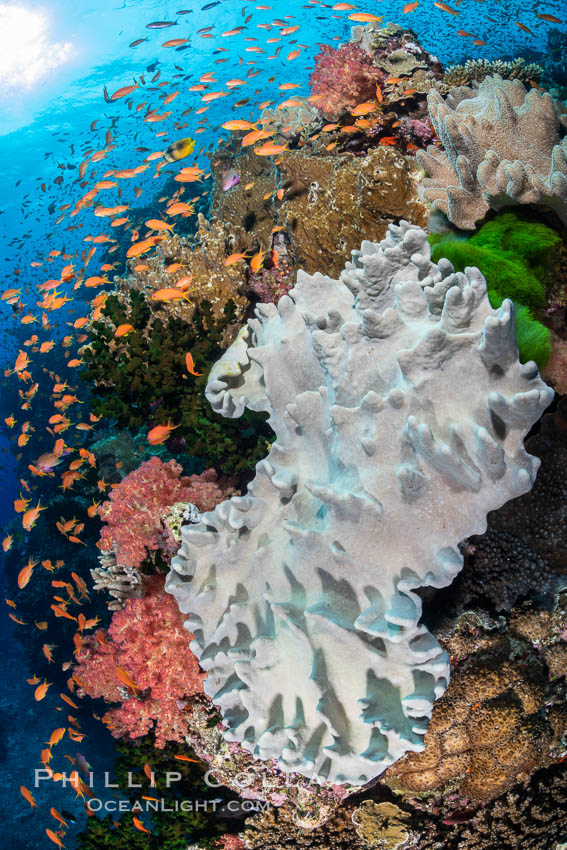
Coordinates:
column 501, row 147
column 399, row 407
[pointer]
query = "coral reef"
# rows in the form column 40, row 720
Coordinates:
column 184, row 821
column 202, row 259
column 307, row 803
column 318, row 570
column 249, row 205
column 335, row 203
column 134, row 513
column 502, row 147
column 531, row 816
column 275, row 830
column 292, row 122
column 146, row 641
column 476, row 70
column 180, row 514
column 328, row 205
column 399, row 55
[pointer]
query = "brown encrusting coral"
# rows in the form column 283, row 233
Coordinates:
column 503, row 715
column 333, row 203
column 276, row 830
column 326, row 204
column 382, row 825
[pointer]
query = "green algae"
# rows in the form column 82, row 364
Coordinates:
column 513, row 254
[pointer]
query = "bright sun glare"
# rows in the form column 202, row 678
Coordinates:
column 26, row 53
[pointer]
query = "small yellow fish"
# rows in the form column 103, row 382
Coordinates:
column 179, row 150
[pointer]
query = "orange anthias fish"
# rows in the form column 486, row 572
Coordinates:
column 25, row 574
column 364, row 108
column 169, row 295
column 257, row 261
column 190, row 365
column 55, row 814
column 54, row 837
column 160, row 433
column 28, row 796
column 446, row 8
column 234, row 258
column 139, row 825
column 56, row 736
column 123, row 330
column 126, row 679
column 41, row 690
column 364, row 17
column 270, row 149
column 30, row 516
column 239, row 124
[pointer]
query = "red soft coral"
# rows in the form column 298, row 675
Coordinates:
column 136, row 507
column 231, row 842
column 343, row 78
column 146, row 639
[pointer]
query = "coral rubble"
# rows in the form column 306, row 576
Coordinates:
column 502, row 146
column 301, row 594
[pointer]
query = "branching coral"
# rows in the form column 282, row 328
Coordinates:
column 301, row 594
column 146, row 640
column 343, row 78
column 137, row 506
column 477, row 69
column 502, row 147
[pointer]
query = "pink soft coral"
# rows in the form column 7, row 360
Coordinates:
column 343, row 78
column 146, row 639
column 136, row 507
column 231, row 842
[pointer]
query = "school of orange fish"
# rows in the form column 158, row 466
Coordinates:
column 73, row 280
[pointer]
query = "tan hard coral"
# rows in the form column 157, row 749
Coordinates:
column 201, row 258
column 500, row 719
column 335, row 202
column 382, row 825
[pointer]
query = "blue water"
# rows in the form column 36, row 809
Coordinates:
column 49, row 98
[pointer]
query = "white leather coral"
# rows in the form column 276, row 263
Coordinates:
column 399, row 407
